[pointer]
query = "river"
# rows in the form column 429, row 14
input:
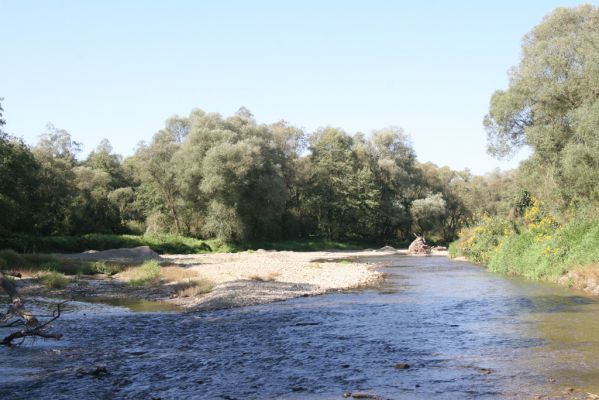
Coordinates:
column 464, row 333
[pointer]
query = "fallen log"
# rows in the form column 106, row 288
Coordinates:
column 17, row 314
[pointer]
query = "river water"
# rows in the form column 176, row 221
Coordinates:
column 465, row 334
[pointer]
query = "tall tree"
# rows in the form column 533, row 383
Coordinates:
column 341, row 193
column 397, row 178
column 552, row 105
column 56, row 154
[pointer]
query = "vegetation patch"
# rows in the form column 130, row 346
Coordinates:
column 11, row 260
column 164, row 243
column 541, row 249
column 193, row 287
column 145, row 274
column 54, row 280
column 105, row 268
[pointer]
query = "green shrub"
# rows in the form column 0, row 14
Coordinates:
column 12, row 259
column 148, row 272
column 479, row 242
column 75, row 244
column 454, row 249
column 549, row 256
column 541, row 250
column 55, row 280
column 101, row 267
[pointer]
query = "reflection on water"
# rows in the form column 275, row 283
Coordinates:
column 464, row 332
column 135, row 305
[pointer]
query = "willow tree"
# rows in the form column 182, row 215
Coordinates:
column 241, row 175
column 552, row 106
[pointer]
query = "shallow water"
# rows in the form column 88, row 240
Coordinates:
column 451, row 322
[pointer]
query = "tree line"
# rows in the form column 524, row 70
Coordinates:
column 237, row 180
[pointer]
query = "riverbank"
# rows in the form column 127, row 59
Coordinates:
column 566, row 254
column 218, row 280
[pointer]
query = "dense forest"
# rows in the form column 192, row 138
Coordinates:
column 206, row 176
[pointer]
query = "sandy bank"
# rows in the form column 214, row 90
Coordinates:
column 250, row 278
column 234, row 279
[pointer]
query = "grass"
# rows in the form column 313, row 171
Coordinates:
column 174, row 273
column 145, row 274
column 54, row 280
column 193, row 287
column 150, row 272
column 11, row 260
column 185, row 283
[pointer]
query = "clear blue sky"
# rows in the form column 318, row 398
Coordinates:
column 118, row 69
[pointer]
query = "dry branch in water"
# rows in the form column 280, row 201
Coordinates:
column 18, row 315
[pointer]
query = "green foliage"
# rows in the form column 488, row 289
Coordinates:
column 41, row 262
column 54, row 280
column 106, row 268
column 11, row 259
column 548, row 258
column 74, row 244
column 428, row 212
column 454, row 249
column 226, row 179
column 552, row 106
column 19, row 172
column 480, row 242
column 341, row 194
column 541, row 250
column 147, row 273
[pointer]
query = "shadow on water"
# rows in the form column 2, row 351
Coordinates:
column 463, row 332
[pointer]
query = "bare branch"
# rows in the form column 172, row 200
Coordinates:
column 16, row 310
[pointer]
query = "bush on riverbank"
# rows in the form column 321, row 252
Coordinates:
column 54, row 280
column 539, row 249
column 148, row 272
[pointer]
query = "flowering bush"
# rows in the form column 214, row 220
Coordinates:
column 478, row 242
column 539, row 247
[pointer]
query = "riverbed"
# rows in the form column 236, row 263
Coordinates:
column 435, row 329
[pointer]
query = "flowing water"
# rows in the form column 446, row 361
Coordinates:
column 465, row 333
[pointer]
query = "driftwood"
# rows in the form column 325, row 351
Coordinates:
column 18, row 315
column 419, row 246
